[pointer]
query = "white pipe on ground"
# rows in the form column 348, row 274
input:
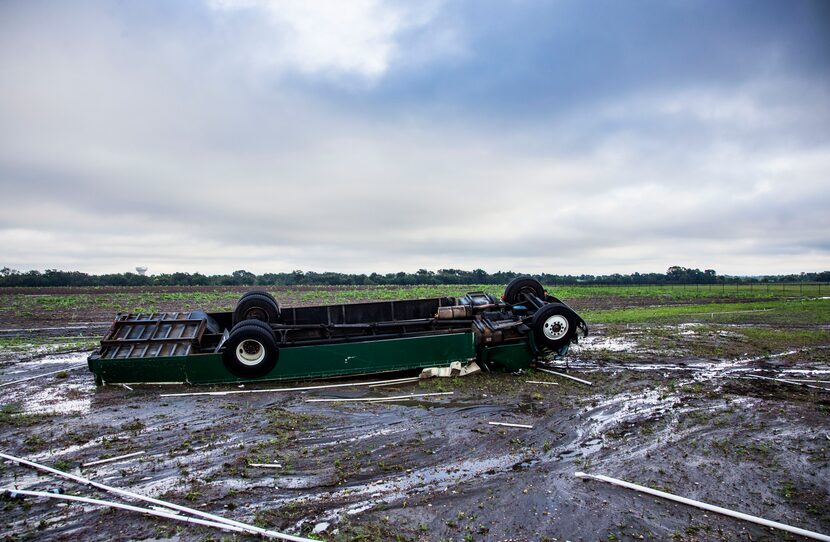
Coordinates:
column 791, row 382
column 705, row 506
column 564, row 376
column 305, row 388
column 521, row 425
column 111, row 459
column 147, row 511
column 157, row 502
column 405, row 381
column 377, row 399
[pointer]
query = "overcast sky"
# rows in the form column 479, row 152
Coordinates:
column 560, row 136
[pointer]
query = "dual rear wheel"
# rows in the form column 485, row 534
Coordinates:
column 251, row 348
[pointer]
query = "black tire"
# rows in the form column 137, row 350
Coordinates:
column 256, row 306
column 257, row 292
column 521, row 285
column 251, row 349
column 553, row 326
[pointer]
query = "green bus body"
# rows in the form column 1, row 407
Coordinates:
column 259, row 341
column 319, row 361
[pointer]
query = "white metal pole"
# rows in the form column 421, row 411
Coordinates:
column 304, row 388
column 377, row 399
column 791, row 382
column 148, row 511
column 157, row 502
column 705, row 506
column 111, row 459
column 564, row 376
column 504, row 424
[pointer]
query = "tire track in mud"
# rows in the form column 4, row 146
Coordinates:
column 425, row 462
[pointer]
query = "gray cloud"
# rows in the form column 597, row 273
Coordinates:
column 140, row 139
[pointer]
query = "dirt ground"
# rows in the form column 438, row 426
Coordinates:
column 670, row 407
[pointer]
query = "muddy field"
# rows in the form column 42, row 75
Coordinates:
column 670, row 407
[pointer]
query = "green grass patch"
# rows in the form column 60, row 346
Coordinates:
column 46, row 344
column 693, row 291
column 11, row 415
column 802, row 311
column 152, row 300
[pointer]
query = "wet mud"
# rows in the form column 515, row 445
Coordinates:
column 671, row 407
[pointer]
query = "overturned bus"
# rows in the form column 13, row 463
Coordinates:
column 260, row 341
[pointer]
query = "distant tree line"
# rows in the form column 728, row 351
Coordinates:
column 674, row 275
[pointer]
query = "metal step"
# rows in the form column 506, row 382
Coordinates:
column 153, row 335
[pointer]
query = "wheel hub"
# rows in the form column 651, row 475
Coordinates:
column 250, row 352
column 555, row 327
column 256, row 314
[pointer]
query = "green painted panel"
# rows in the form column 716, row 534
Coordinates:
column 116, row 371
column 301, row 362
column 510, row 357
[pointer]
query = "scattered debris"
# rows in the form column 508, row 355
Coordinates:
column 157, row 502
column 520, row 425
column 705, row 506
column 378, row 399
column 153, row 511
column 111, row 459
column 455, row 369
column 563, row 375
column 266, row 465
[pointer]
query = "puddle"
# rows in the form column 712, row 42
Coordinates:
column 612, row 344
column 32, row 367
column 67, row 398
